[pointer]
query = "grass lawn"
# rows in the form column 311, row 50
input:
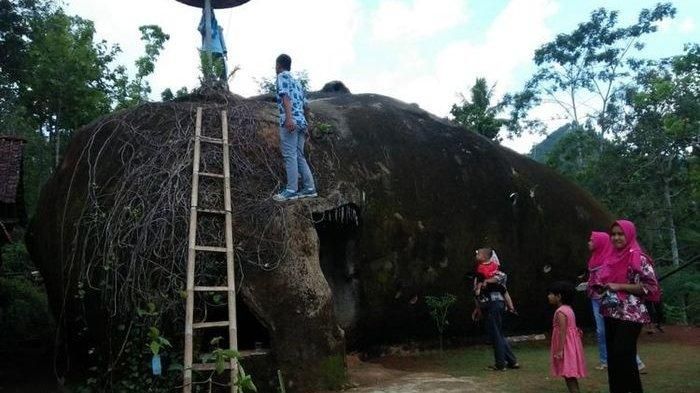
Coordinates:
column 673, row 365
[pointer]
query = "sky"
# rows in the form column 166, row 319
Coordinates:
column 411, row 50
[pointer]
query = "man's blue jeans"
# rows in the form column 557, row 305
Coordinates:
column 292, row 146
column 600, row 331
column 494, row 324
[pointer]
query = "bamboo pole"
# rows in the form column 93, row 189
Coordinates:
column 191, row 255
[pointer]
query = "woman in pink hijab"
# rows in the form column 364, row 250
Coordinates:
column 600, row 247
column 626, row 278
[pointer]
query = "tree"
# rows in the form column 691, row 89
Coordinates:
column 584, row 72
column 71, row 80
column 54, row 77
column 478, row 115
column 15, row 33
column 665, row 123
column 635, row 140
column 577, row 154
column 67, row 80
column 268, row 85
column 168, row 95
column 133, row 91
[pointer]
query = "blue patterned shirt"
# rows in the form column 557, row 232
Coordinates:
column 290, row 87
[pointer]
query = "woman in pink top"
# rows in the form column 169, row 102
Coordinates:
column 600, row 246
column 601, row 249
column 627, row 278
column 567, row 356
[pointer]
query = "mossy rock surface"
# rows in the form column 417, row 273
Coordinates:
column 405, row 199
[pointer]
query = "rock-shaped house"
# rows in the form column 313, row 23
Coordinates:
column 406, row 198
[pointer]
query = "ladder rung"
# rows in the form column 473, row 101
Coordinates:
column 211, row 211
column 211, row 140
column 204, row 325
column 211, row 289
column 210, row 248
column 208, row 174
column 209, row 366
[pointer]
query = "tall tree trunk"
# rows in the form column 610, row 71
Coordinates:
column 573, row 105
column 671, row 223
column 579, row 146
column 57, row 144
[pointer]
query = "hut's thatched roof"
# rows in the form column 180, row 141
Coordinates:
column 11, row 149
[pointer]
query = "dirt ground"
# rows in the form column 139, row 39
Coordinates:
column 375, row 378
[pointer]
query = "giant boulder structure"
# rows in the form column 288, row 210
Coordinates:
column 406, row 198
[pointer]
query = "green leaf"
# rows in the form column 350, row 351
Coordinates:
column 155, row 347
column 164, row 342
column 246, row 384
column 153, row 333
column 220, row 366
column 230, row 354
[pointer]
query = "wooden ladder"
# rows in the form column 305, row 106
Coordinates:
column 193, row 249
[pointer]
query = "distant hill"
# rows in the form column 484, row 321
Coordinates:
column 540, row 151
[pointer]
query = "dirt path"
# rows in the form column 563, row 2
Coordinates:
column 375, row 378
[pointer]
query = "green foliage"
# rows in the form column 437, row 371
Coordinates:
column 649, row 172
column 15, row 259
column 320, row 129
column 268, row 85
column 439, row 307
column 577, row 154
column 167, row 94
column 636, row 148
column 133, row 91
column 591, row 64
column 211, row 67
column 24, row 309
column 681, row 296
column 245, row 381
column 24, row 312
column 157, row 341
column 130, row 371
column 65, row 84
column 221, row 357
column 478, row 115
column 324, row 128
column 55, row 77
column 333, row 373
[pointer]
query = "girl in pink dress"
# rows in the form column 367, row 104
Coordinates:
column 567, row 357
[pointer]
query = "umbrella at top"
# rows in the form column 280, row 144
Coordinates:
column 216, row 4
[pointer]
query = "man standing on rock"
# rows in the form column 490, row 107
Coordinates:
column 293, row 131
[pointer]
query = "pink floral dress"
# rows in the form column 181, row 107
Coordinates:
column 573, row 363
